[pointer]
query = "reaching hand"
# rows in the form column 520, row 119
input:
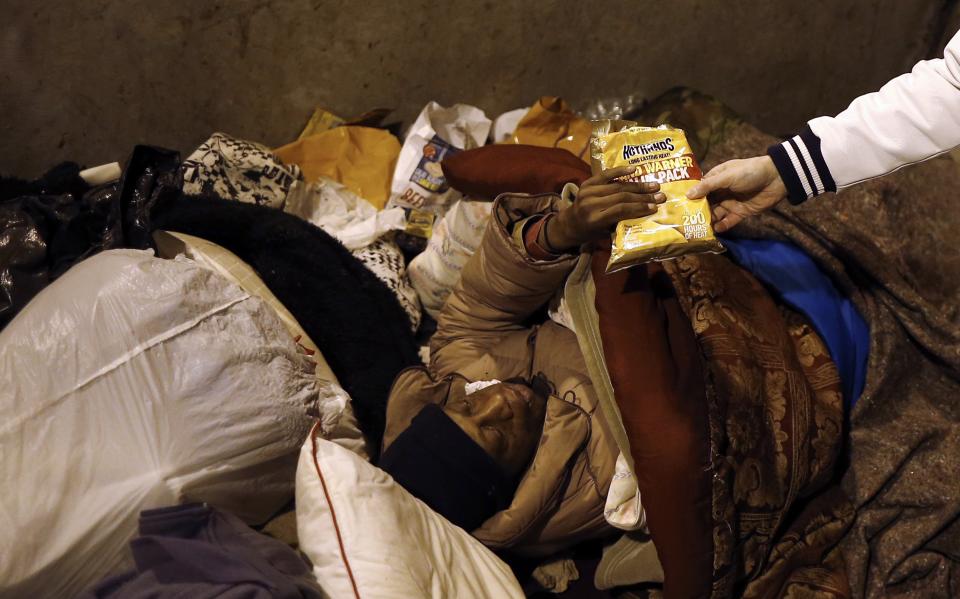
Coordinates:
column 740, row 189
column 600, row 205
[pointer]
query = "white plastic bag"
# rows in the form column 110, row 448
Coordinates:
column 418, row 181
column 337, row 420
column 505, row 124
column 130, row 383
column 351, row 219
column 436, row 270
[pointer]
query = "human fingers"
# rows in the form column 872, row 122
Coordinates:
column 604, row 203
column 720, row 177
column 624, row 210
column 599, row 192
column 718, row 213
column 617, row 187
column 730, row 215
column 609, row 175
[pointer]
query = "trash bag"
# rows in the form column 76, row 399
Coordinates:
column 134, row 382
column 48, row 225
column 356, row 321
column 435, row 272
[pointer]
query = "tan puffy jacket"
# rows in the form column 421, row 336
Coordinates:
column 482, row 334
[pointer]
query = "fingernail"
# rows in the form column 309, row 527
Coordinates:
column 660, row 197
column 693, row 191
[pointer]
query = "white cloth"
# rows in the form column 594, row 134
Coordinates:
column 366, row 536
column 471, row 388
column 556, row 574
column 384, row 258
column 623, row 508
column 236, row 169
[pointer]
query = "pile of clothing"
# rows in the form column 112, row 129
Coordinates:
column 205, row 311
column 227, row 328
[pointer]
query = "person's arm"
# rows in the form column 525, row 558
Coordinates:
column 503, row 283
column 914, row 117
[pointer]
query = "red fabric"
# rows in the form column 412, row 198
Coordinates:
column 530, row 237
column 653, row 359
column 485, row 173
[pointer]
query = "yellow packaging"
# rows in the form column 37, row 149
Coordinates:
column 420, row 223
column 662, row 155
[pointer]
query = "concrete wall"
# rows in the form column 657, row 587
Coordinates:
column 86, row 79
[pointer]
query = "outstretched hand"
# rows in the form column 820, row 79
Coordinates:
column 740, row 189
column 601, row 203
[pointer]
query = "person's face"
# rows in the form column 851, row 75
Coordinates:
column 505, row 419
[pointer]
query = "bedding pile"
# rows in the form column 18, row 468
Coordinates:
column 193, row 347
column 881, row 244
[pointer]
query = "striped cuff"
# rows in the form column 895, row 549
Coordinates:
column 801, row 166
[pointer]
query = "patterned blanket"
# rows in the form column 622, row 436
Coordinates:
column 887, row 526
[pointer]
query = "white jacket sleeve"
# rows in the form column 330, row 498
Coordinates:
column 914, row 117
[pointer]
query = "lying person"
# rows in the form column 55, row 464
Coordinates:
column 725, row 406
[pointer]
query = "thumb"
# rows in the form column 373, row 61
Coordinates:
column 717, row 178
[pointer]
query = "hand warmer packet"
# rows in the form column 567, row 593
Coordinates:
column 662, row 155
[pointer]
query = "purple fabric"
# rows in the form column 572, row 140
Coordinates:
column 197, row 552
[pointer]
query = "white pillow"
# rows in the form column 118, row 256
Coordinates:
column 368, row 538
column 130, row 383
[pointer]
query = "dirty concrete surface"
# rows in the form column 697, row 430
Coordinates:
column 85, row 80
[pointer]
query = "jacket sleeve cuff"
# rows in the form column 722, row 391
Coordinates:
column 525, row 234
column 802, row 167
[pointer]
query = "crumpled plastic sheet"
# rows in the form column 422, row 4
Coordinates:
column 362, row 158
column 343, row 214
column 613, row 107
column 49, row 225
column 504, row 125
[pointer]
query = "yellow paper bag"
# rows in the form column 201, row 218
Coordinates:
column 361, row 158
column 321, row 120
column 551, row 123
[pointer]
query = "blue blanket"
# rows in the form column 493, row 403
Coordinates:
column 797, row 281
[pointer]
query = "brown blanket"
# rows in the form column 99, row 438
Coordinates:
column 891, row 245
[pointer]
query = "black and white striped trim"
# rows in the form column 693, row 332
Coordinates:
column 801, row 166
